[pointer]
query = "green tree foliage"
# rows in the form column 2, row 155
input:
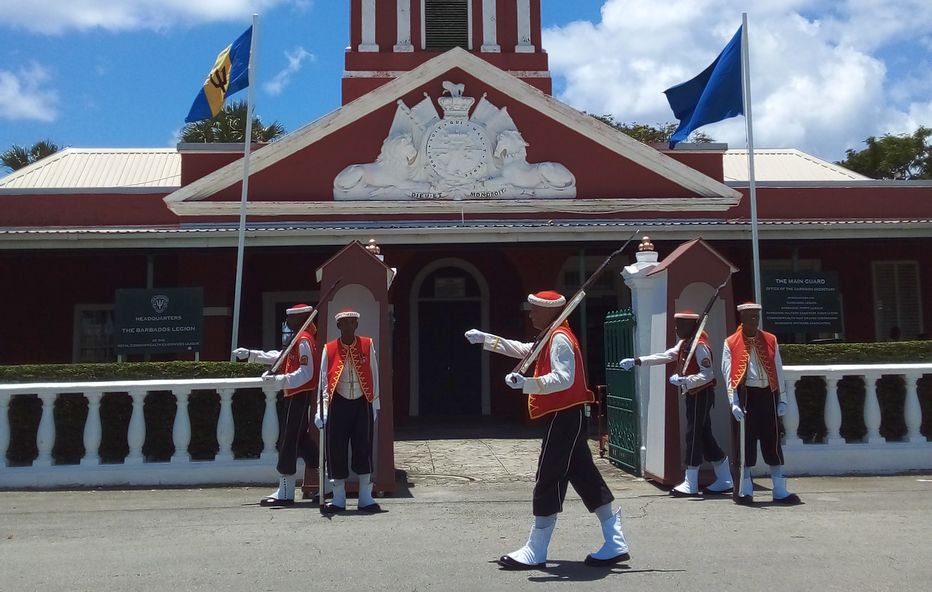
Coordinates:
column 651, row 134
column 230, row 126
column 16, row 157
column 901, row 157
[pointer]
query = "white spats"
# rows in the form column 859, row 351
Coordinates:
column 339, row 493
column 747, row 486
column 534, row 552
column 285, row 489
column 690, row 486
column 722, row 483
column 614, row 549
column 365, row 491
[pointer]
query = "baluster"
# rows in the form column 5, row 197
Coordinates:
column 832, row 412
column 136, row 434
column 225, row 425
column 4, row 429
column 270, row 423
column 872, row 416
column 45, row 435
column 181, row 429
column 92, row 430
column 791, row 419
column 912, row 411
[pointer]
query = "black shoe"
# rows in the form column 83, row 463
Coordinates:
column 513, row 564
column 330, row 508
column 274, row 502
column 744, row 500
column 790, row 500
column 593, row 562
column 315, row 499
column 722, row 492
column 677, row 493
column 372, row 508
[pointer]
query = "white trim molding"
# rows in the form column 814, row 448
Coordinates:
column 403, row 15
column 524, row 28
column 368, row 27
column 489, row 28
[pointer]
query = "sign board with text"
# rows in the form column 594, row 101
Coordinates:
column 801, row 302
column 158, row 321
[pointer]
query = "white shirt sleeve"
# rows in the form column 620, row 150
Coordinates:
column 374, row 368
column 264, row 357
column 562, row 369
column 778, row 362
column 323, row 389
column 508, row 347
column 305, row 371
column 706, row 374
column 726, row 373
column 662, row 358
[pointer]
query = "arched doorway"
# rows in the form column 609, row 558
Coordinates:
column 449, row 376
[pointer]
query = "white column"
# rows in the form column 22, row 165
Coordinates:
column 270, row 423
column 872, row 411
column 404, row 27
column 4, row 429
column 136, row 434
column 181, row 429
column 489, row 28
column 912, row 411
column 45, row 435
column 225, row 425
column 92, row 430
column 832, row 412
column 791, row 418
column 524, row 27
column 368, row 27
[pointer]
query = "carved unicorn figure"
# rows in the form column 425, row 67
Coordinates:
column 511, row 148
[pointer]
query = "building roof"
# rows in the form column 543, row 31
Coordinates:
column 100, row 168
column 784, row 165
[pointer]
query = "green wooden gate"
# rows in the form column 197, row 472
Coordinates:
column 622, row 416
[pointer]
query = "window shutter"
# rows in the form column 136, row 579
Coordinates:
column 897, row 299
column 447, row 24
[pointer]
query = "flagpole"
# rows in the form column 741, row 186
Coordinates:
column 237, row 296
column 746, row 97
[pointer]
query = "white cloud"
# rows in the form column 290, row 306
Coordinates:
column 59, row 16
column 24, row 95
column 296, row 59
column 819, row 79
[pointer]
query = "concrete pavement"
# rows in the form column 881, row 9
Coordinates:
column 449, row 521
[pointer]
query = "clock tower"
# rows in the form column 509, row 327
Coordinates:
column 390, row 37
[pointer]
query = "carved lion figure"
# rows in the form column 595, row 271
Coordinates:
column 392, row 168
column 511, row 148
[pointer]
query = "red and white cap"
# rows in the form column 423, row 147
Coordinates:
column 299, row 309
column 687, row 314
column 749, row 306
column 346, row 314
column 547, row 299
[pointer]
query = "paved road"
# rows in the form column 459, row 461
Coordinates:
column 448, row 523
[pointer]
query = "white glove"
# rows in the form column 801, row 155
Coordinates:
column 375, row 415
column 475, row 336
column 241, row 353
column 781, row 409
column 276, row 380
column 677, row 380
column 319, row 421
column 737, row 412
column 515, row 381
column 627, row 363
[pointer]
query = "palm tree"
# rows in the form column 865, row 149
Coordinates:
column 230, row 126
column 16, row 157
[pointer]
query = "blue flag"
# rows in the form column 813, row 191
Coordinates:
column 712, row 96
column 229, row 75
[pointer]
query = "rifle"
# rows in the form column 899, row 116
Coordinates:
column 568, row 309
column 693, row 339
column 307, row 323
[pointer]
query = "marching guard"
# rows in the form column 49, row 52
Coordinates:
column 751, row 363
column 349, row 408
column 558, row 392
column 297, row 380
column 697, row 382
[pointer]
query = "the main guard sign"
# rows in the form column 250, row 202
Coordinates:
column 801, row 302
column 159, row 321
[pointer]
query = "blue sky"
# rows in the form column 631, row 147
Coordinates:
column 123, row 73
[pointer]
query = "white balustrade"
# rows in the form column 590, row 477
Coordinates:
column 872, row 410
column 225, row 425
column 92, row 429
column 45, row 435
column 791, row 418
column 181, row 428
column 4, row 429
column 136, row 433
column 270, row 423
column 832, row 412
column 912, row 410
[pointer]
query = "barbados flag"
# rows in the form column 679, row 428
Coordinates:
column 229, row 75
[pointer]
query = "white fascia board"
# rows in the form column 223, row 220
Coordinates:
column 391, row 91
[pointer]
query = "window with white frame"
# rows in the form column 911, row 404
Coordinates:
column 897, row 300
column 274, row 304
column 94, row 338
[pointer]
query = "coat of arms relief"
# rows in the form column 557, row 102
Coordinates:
column 459, row 156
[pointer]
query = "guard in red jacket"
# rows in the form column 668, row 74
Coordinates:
column 299, row 383
column 349, row 388
column 557, row 394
